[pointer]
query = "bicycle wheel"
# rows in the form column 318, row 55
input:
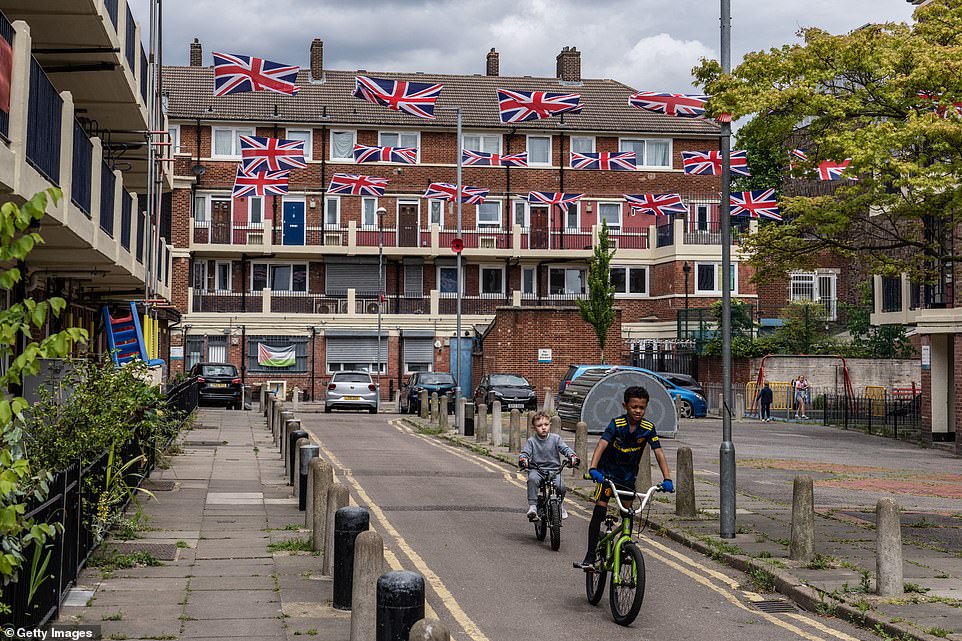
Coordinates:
column 554, row 524
column 541, row 525
column 626, row 597
column 595, row 585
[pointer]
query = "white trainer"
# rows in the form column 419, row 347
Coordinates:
column 564, row 512
column 532, row 513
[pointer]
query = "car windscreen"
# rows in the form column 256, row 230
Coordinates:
column 218, row 370
column 436, row 379
column 508, row 380
column 352, row 378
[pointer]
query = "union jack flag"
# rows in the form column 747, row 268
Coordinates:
column 406, row 155
column 657, row 204
column 553, row 198
column 415, row 98
column 446, row 191
column 755, row 204
column 272, row 154
column 483, row 159
column 709, row 163
column 615, row 161
column 942, row 110
column 260, row 183
column 670, row 104
column 522, row 106
column 234, row 73
column 831, row 170
column 357, row 185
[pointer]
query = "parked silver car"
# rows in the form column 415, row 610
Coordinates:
column 351, row 391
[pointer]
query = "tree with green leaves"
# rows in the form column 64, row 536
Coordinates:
column 598, row 308
column 884, row 96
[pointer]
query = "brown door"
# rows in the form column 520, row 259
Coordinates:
column 220, row 222
column 539, row 227
column 407, row 225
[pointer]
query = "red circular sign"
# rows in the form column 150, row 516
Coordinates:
column 457, row 245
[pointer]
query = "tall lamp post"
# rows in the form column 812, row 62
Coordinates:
column 380, row 294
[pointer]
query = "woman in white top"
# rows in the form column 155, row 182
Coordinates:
column 801, row 391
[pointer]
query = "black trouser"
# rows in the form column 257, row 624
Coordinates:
column 766, row 411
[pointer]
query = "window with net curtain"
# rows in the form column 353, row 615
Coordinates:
column 342, row 145
column 611, row 214
column 489, row 214
column 488, row 143
column 492, row 280
column 650, row 152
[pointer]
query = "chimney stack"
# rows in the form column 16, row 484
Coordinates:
column 317, row 60
column 493, row 66
column 569, row 65
column 196, row 54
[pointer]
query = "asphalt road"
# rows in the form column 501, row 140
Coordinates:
column 458, row 519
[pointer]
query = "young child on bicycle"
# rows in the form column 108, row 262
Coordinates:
column 544, row 450
column 617, row 456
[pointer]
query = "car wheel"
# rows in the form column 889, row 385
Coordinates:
column 687, row 411
column 327, row 410
column 373, row 410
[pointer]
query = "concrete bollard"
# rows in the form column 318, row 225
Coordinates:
column 282, row 418
column 337, row 497
column 459, row 414
column 644, row 471
column 305, row 454
column 290, row 463
column 278, row 426
column 888, row 549
column 581, row 447
column 721, row 404
column 443, row 412
column 268, row 405
column 802, row 547
column 678, row 405
column 261, row 400
column 368, row 566
column 497, row 427
column 348, row 523
column 684, row 483
column 481, row 424
column 514, row 432
column 548, row 400
column 295, row 397
column 323, row 480
column 739, row 407
column 434, row 408
column 400, row 604
column 290, row 425
column 556, row 424
column 429, row 630
column 424, row 405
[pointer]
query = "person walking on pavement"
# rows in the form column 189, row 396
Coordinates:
column 765, row 397
column 801, row 392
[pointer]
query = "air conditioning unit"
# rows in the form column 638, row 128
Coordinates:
column 322, row 307
column 372, row 308
column 332, row 239
column 488, row 242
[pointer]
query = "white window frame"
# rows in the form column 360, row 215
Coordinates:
column 203, row 268
column 364, row 201
column 440, row 205
column 567, row 214
column 814, row 282
column 350, row 156
column 236, row 132
column 481, row 146
column 438, row 277
column 525, row 214
column 250, row 203
column 718, row 276
column 308, row 144
column 217, row 267
column 370, row 368
column 399, row 133
column 489, row 226
column 483, row 267
column 699, row 209
column 328, row 201
column 174, row 139
column 590, row 139
column 617, row 228
column 527, row 147
column 534, row 281
column 628, row 269
column 408, row 370
column 671, row 151
column 205, row 219
column 564, row 268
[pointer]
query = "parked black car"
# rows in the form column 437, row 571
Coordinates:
column 684, row 380
column 409, row 400
column 514, row 392
column 218, row 384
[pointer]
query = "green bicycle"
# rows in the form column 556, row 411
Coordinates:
column 618, row 554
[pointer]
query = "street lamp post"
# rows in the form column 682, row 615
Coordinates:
column 380, row 294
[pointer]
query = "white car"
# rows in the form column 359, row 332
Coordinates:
column 351, row 391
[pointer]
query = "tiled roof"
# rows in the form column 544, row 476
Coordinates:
column 606, row 109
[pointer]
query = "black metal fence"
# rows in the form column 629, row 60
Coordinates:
column 126, row 209
column 107, row 182
column 141, row 235
column 144, row 75
column 130, row 46
column 83, row 151
column 6, row 32
column 898, row 418
column 679, row 361
column 111, row 7
column 43, row 124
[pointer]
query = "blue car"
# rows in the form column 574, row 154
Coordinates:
column 693, row 404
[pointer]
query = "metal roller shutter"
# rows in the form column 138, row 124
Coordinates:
column 339, row 277
column 418, row 350
column 356, row 349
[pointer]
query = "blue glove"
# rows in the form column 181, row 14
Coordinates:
column 596, row 476
column 667, row 486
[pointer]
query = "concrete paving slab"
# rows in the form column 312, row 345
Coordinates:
column 264, row 582
column 137, row 597
column 140, row 629
column 234, row 629
column 168, row 584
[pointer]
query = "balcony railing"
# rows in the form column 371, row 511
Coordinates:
column 144, row 75
column 111, row 7
column 107, row 183
column 404, row 305
column 493, row 238
column 665, row 233
column 306, row 303
column 82, row 168
column 892, row 294
column 43, row 124
column 483, row 304
column 551, row 300
column 126, row 206
column 141, row 237
column 226, row 302
column 130, row 44
column 6, row 32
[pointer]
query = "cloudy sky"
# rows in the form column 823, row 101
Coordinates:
column 647, row 44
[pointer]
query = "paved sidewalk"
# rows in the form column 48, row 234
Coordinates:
column 845, row 542
column 223, row 501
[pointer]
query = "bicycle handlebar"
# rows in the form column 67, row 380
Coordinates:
column 616, row 493
column 534, row 466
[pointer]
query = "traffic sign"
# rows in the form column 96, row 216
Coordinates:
column 457, row 245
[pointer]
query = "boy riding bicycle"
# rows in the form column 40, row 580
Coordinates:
column 616, row 457
column 544, row 450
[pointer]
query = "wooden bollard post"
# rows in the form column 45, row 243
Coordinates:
column 368, row 566
column 802, row 545
column 684, row 483
column 556, row 424
column 514, row 432
column 337, row 497
column 497, row 427
column 581, row 447
column 317, row 521
column 443, row 412
column 481, row 424
column 424, row 405
column 644, row 470
column 888, row 549
column 429, row 630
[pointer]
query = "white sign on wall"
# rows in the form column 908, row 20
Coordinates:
column 176, row 351
column 926, row 356
column 544, row 355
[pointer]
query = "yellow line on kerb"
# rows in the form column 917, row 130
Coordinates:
column 447, row 599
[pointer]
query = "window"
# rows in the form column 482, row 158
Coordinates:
column 489, row 214
column 583, row 144
column 520, row 213
column 372, row 367
column 492, row 280
column 279, row 277
column 529, row 284
column 174, row 131
column 436, row 213
column 222, row 279
column 447, row 280
column 201, row 214
column 255, row 210
column 398, row 139
column 369, row 212
column 301, row 345
column 566, row 281
column 227, row 140
column 342, row 145
column 539, row 150
column 332, row 211
column 571, row 216
column 817, row 287
column 648, row 152
column 702, row 218
column 488, row 143
column 199, row 280
column 708, row 278
column 611, row 214
column 891, row 293
column 302, row 134
column 630, row 280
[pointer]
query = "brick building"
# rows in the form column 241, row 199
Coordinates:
column 303, row 270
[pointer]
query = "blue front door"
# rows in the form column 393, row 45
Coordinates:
column 464, row 379
column 294, row 222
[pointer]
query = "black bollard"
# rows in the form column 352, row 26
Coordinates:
column 400, row 604
column 292, row 453
column 348, row 523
